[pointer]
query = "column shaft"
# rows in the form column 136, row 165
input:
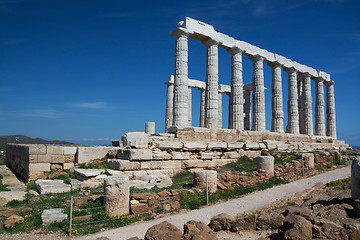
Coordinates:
column 277, row 121
column 169, row 106
column 258, row 123
column 301, row 103
column 212, row 80
column 247, row 110
column 181, row 103
column 319, row 108
column 292, row 105
column 220, row 110
column 236, row 110
column 190, row 107
column 202, row 108
column 307, row 109
column 330, row 110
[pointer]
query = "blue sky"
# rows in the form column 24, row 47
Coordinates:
column 89, row 71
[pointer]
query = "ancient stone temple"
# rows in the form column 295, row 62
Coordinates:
column 299, row 102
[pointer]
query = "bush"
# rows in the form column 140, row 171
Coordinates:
column 339, row 182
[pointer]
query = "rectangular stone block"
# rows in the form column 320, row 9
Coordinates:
column 195, row 146
column 43, row 159
column 70, row 150
column 206, row 155
column 86, row 154
column 232, row 155
column 57, row 158
column 161, row 155
column 164, row 145
column 68, row 165
column 52, row 149
column 168, row 172
column 39, row 167
column 180, row 155
column 137, row 154
column 69, row 158
column 235, row 145
column 196, row 164
column 37, row 149
column 216, row 145
column 123, row 165
column 251, row 145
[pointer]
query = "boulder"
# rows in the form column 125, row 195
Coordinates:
column 198, row 230
column 10, row 221
column 269, row 221
column 296, row 227
column 163, row 231
column 247, row 223
column 140, row 208
column 222, row 222
column 49, row 216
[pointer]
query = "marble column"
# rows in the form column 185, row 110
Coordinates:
column 319, row 107
column 190, row 107
column 258, row 117
column 330, row 110
column 169, row 105
column 230, row 110
column 307, row 106
column 202, row 108
column 277, row 121
column 181, row 92
column 292, row 104
column 301, row 103
column 220, row 110
column 212, row 82
column 236, row 111
column 247, row 110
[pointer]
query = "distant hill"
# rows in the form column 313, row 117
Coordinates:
column 27, row 140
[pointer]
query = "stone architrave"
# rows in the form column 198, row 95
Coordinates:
column 202, row 108
column 169, row 105
column 247, row 110
column 319, row 107
column 220, row 110
column 236, row 106
column 293, row 110
column 277, row 121
column 307, row 105
column 116, row 196
column 258, row 117
column 330, row 110
column 190, row 107
column 181, row 92
column 200, row 180
column 212, row 82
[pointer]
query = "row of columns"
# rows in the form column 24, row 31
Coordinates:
column 299, row 104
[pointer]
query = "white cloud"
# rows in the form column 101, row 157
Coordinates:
column 38, row 113
column 91, row 105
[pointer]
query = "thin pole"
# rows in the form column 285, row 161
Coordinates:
column 71, row 211
column 207, row 189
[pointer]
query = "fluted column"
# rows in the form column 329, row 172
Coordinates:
column 169, row 105
column 212, row 82
column 330, row 110
column 307, row 106
column 202, row 108
column 220, row 110
column 247, row 110
column 277, row 121
column 301, row 103
column 319, row 108
column 230, row 110
column 190, row 107
column 236, row 111
column 292, row 105
column 258, row 123
column 181, row 92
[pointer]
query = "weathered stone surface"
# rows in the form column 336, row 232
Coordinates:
column 140, row 208
column 308, row 159
column 222, row 222
column 116, row 196
column 296, row 227
column 51, row 186
column 53, row 215
column 121, row 164
column 137, row 154
column 252, row 145
column 68, row 166
column 265, row 163
column 84, row 174
column 70, row 150
column 57, row 158
column 206, row 155
column 269, row 221
column 217, row 145
column 180, row 155
column 150, row 181
column 196, row 164
column 164, row 230
column 233, row 154
column 8, row 196
column 355, row 179
column 247, row 223
column 136, row 139
column 54, row 150
column 195, row 146
column 161, row 155
column 235, row 145
column 164, row 145
column 37, row 149
column 10, row 221
column 86, row 154
column 39, row 167
column 200, row 180
column 198, row 230
column 56, row 167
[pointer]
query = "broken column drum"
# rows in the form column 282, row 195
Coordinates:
column 200, row 180
column 116, row 196
column 150, row 127
column 265, row 163
column 355, row 179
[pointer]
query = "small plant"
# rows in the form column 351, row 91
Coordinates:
column 339, row 182
column 95, row 164
column 243, row 164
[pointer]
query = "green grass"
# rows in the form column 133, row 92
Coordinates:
column 340, row 182
column 244, row 163
column 95, row 164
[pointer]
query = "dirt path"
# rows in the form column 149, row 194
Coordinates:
column 232, row 207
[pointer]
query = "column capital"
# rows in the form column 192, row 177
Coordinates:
column 235, row 50
column 256, row 58
column 304, row 74
column 169, row 83
column 210, row 42
column 318, row 79
column 290, row 70
column 329, row 83
column 274, row 64
column 180, row 32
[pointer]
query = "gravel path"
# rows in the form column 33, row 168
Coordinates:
column 232, row 207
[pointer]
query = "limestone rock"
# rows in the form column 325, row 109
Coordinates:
column 49, row 216
column 161, row 155
column 163, row 231
column 247, row 223
column 116, row 196
column 10, row 221
column 137, row 154
column 7, row 196
column 296, row 227
column 198, row 230
column 222, row 222
column 269, row 221
column 165, row 145
column 308, row 159
column 136, row 139
column 85, row 174
column 140, row 208
column 195, row 146
column 51, row 186
column 265, row 163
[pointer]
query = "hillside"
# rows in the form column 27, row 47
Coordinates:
column 26, row 140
